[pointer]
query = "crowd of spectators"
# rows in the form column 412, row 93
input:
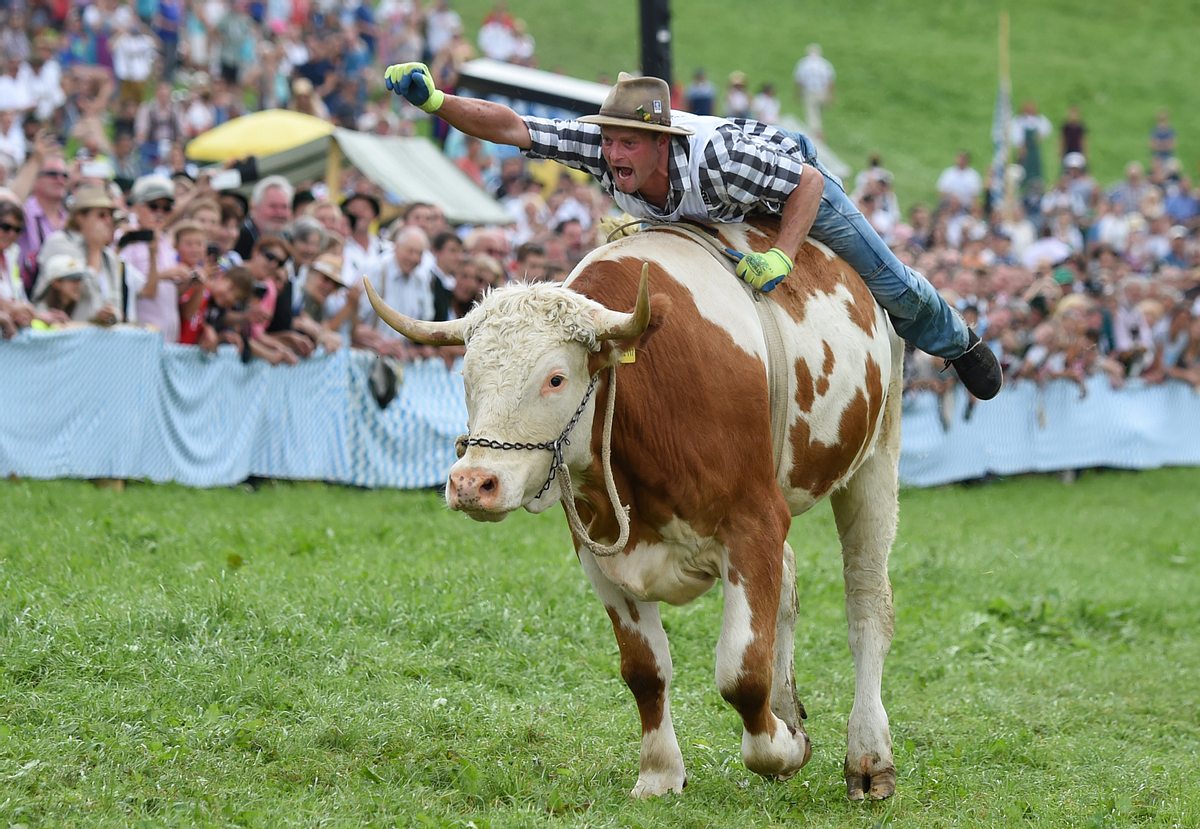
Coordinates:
column 104, row 220
column 1063, row 277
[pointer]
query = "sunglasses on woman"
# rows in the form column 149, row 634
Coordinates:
column 5, row 227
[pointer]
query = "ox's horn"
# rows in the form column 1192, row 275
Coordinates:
column 614, row 325
column 419, row 331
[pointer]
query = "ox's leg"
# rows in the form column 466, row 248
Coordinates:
column 747, row 655
column 785, row 702
column 866, row 512
column 646, row 669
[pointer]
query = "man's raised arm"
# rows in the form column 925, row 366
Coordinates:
column 482, row 119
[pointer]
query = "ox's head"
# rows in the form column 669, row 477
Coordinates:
column 528, row 365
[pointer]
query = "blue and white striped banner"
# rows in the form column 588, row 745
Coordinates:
column 93, row 403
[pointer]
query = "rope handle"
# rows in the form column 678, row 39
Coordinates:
column 620, row 511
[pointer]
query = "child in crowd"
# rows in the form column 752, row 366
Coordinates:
column 208, row 312
column 189, row 240
column 64, row 277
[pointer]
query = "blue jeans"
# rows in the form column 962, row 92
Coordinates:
column 918, row 312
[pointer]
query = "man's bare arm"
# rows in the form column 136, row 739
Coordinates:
column 800, row 211
column 482, row 119
column 486, row 120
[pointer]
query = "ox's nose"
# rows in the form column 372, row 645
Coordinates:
column 472, row 488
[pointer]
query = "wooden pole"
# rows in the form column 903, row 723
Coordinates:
column 333, row 169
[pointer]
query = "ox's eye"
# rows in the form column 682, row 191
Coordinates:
column 555, row 382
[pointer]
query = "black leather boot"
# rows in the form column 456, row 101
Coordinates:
column 978, row 369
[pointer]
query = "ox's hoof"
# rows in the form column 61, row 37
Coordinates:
column 780, row 756
column 654, row 785
column 863, row 783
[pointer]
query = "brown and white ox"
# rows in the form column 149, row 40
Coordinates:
column 692, row 457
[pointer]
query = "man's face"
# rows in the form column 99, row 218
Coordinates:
column 152, row 214
column 273, row 212
column 572, row 234
column 307, row 246
column 408, row 252
column 533, row 268
column 52, row 180
column 426, row 218
column 633, row 156
column 450, row 257
column 362, row 210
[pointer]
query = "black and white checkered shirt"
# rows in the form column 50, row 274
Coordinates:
column 748, row 166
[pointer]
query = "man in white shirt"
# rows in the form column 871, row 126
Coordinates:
column 12, row 140
column 133, row 53
column 47, row 89
column 16, row 85
column 960, row 182
column 814, row 77
column 406, row 286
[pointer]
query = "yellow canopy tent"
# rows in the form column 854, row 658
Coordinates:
column 302, row 148
column 259, row 133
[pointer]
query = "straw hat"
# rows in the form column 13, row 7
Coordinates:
column 637, row 103
column 329, row 265
column 89, row 198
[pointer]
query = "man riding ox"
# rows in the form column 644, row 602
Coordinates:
column 681, row 437
column 669, row 166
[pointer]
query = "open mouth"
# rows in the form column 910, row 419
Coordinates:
column 623, row 175
column 478, row 514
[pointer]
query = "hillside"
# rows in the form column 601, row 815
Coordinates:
column 916, row 79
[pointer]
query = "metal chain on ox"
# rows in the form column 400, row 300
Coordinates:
column 557, row 465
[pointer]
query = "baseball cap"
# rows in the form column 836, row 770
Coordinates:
column 152, row 188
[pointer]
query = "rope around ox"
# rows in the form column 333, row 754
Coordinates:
column 558, row 465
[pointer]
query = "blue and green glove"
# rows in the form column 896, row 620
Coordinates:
column 762, row 270
column 415, row 82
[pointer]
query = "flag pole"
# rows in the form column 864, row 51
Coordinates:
column 1006, row 124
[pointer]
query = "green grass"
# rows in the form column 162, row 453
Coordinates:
column 916, row 78
column 311, row 656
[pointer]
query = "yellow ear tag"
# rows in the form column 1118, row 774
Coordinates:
column 629, row 355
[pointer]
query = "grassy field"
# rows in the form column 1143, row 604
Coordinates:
column 916, row 78
column 313, row 656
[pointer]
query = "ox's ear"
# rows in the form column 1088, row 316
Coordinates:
column 419, row 331
column 615, row 325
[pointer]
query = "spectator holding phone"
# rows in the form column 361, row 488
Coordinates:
column 208, row 309
column 148, row 248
